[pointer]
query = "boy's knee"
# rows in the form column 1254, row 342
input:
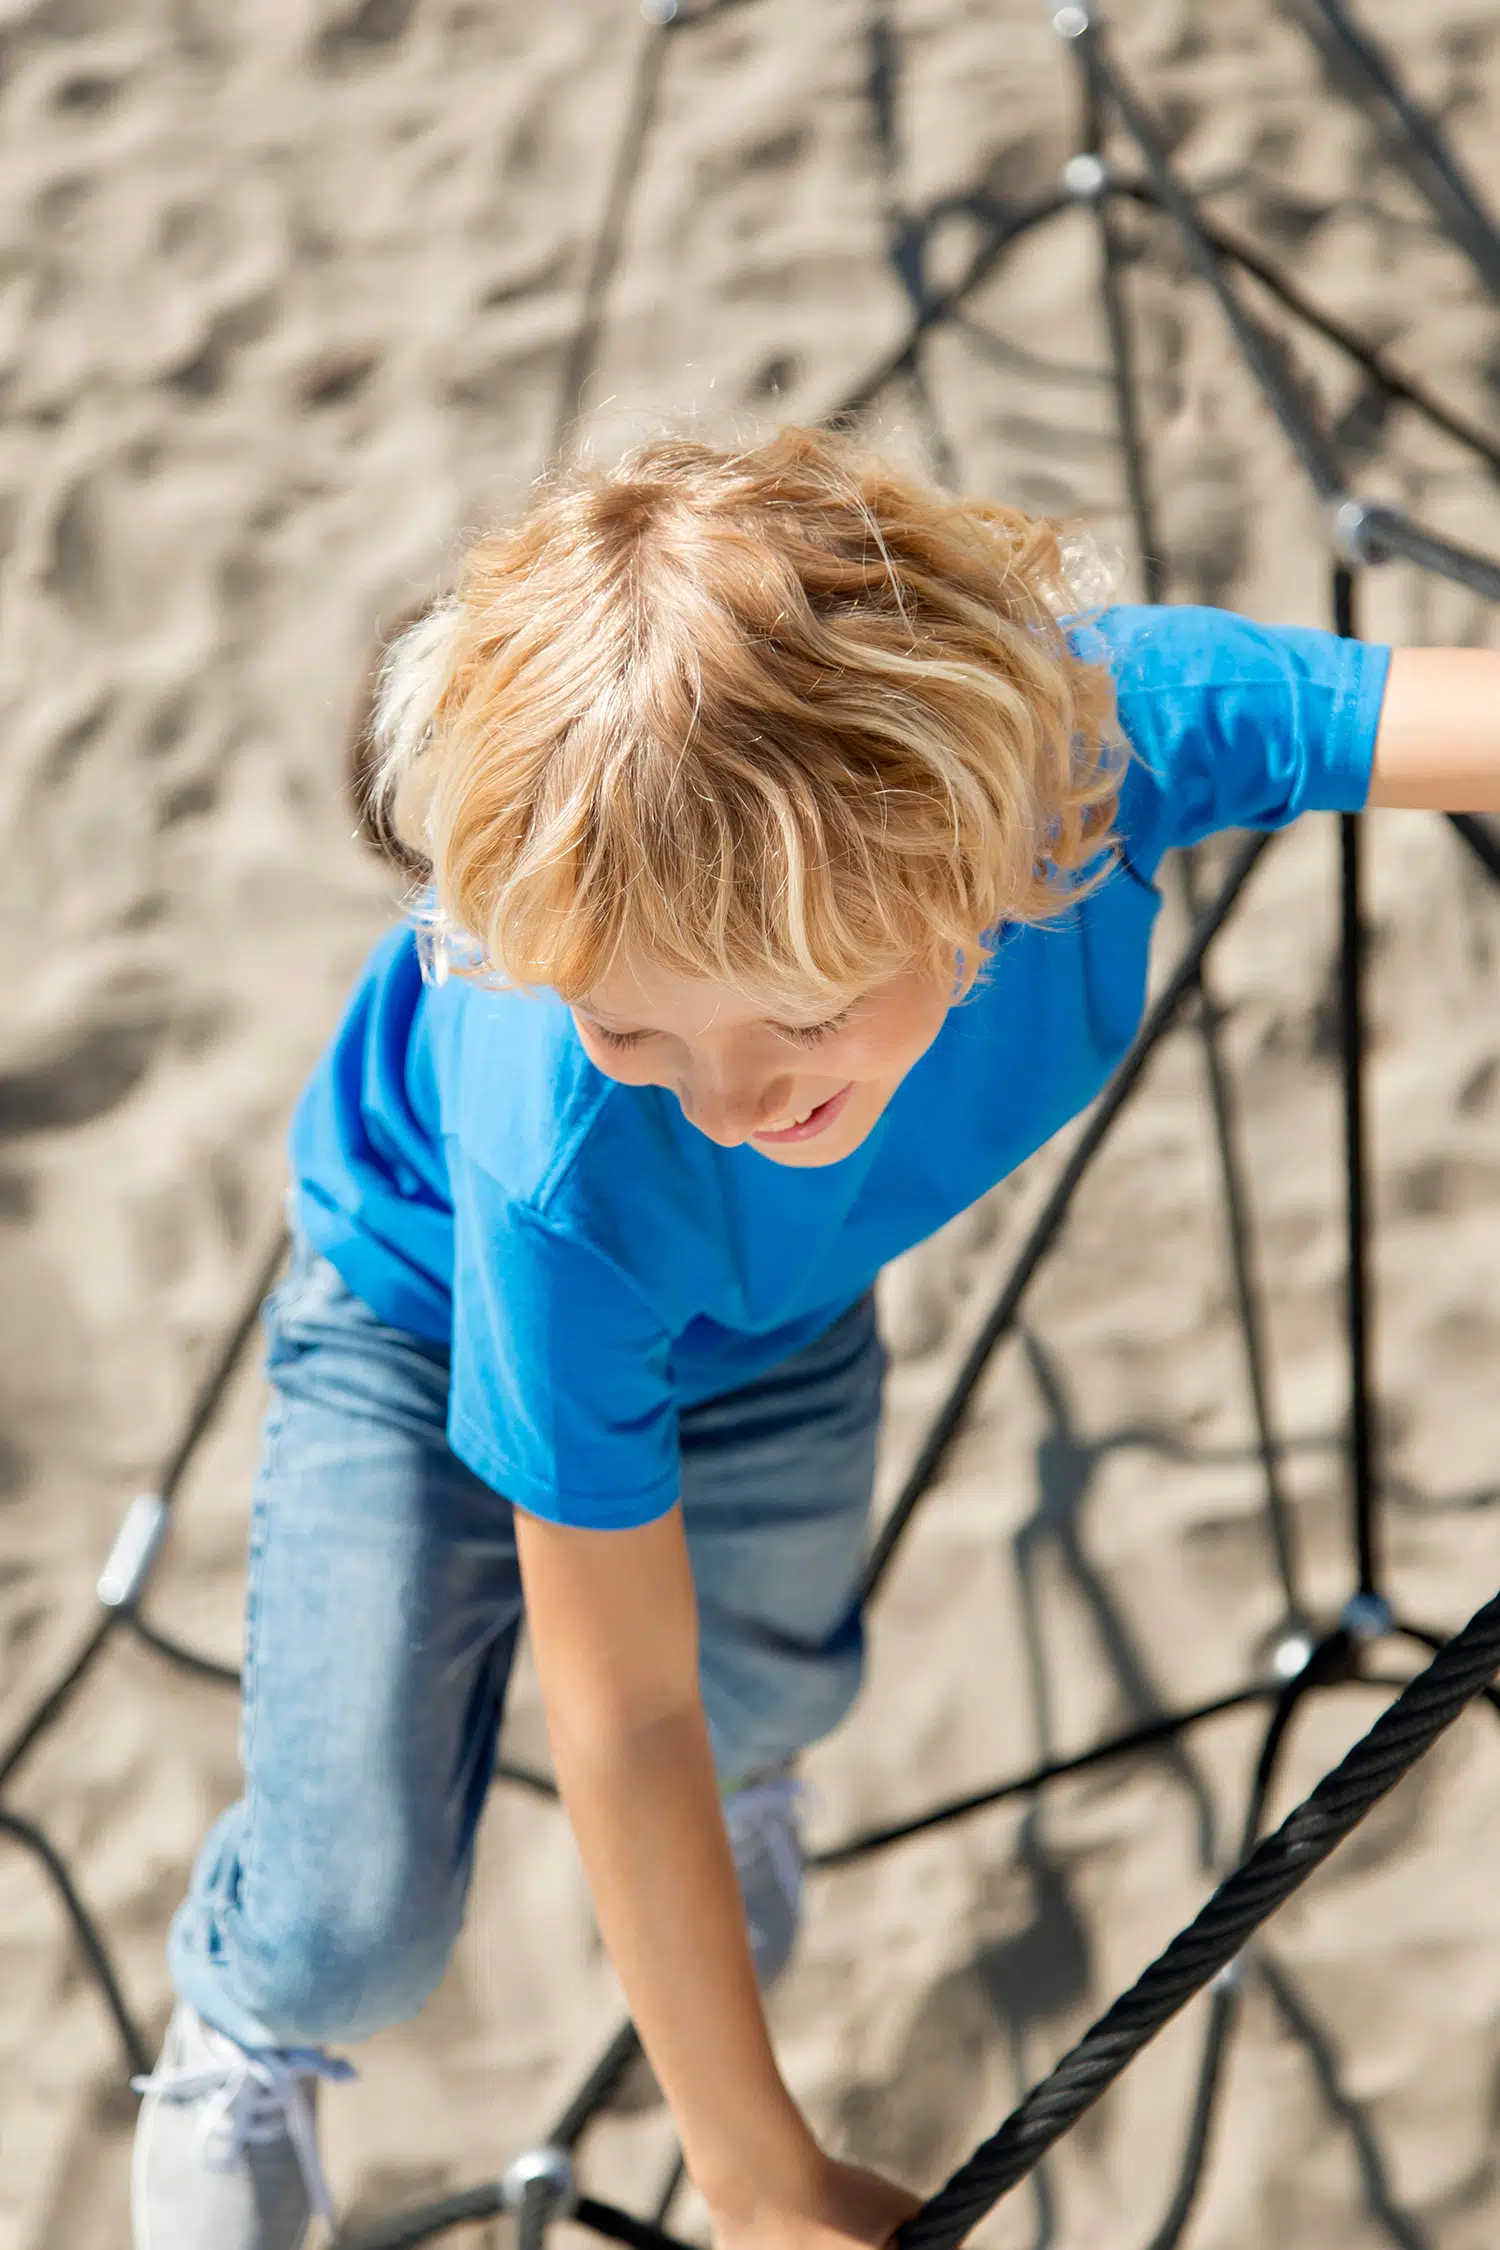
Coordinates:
column 342, row 1951
column 328, row 1980
column 764, row 1706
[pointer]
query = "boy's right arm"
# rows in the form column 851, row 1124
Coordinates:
column 613, row 1625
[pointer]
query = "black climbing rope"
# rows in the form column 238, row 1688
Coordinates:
column 1217, row 1934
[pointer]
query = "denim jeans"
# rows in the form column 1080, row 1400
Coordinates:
column 383, row 1606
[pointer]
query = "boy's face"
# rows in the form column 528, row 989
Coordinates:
column 802, row 1093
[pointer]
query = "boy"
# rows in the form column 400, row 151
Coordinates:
column 788, row 869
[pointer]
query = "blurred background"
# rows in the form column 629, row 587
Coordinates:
column 292, row 298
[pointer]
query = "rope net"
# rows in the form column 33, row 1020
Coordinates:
column 1121, row 164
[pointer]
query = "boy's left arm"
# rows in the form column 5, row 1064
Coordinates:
column 1438, row 746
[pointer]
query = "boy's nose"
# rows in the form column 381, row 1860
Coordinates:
column 730, row 1111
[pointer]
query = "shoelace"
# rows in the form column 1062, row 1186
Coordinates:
column 254, row 2094
column 765, row 1813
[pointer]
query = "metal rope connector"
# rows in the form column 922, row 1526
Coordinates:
column 1292, row 1653
column 1367, row 1617
column 1366, row 531
column 132, row 1558
column 1356, row 531
column 1071, row 22
column 1087, row 178
column 541, row 2174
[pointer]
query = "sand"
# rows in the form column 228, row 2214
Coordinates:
column 288, row 298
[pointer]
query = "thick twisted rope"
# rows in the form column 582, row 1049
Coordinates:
column 1276, row 1868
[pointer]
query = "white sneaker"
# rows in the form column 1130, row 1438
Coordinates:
column 765, row 1835
column 226, row 2149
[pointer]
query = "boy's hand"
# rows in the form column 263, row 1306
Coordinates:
column 847, row 2206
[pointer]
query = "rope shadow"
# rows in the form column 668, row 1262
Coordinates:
column 1066, row 1467
column 1360, row 70
column 1035, row 1976
column 907, row 233
column 1322, row 2056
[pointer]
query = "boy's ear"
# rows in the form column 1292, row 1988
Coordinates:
column 375, row 829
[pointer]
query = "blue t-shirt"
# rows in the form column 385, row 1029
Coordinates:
column 597, row 1263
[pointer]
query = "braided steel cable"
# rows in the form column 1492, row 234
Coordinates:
column 1217, row 1934
column 1224, row 2006
column 1431, row 1641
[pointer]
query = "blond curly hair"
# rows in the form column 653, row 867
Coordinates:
column 779, row 717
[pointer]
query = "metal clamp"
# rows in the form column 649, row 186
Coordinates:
column 1071, row 21
column 1367, row 1617
column 1356, row 531
column 132, row 1558
column 1292, row 1652
column 549, row 2168
column 1086, row 178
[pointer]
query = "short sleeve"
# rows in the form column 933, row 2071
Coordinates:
column 1234, row 724
column 562, row 1396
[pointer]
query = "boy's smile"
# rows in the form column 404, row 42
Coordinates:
column 803, row 1091
column 817, row 1119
